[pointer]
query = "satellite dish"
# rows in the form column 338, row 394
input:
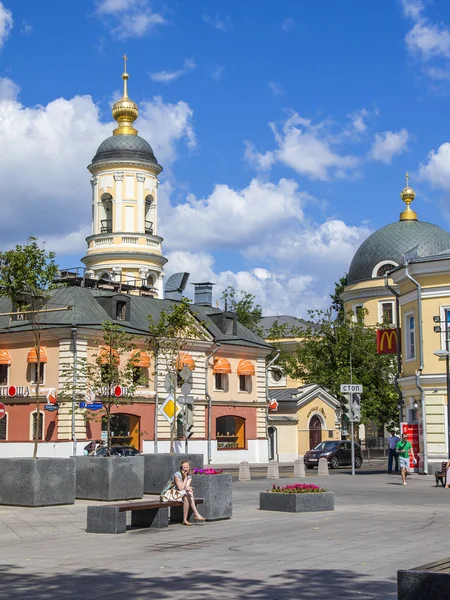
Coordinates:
column 175, row 286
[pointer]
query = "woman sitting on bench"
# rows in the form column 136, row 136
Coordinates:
column 447, row 474
column 179, row 489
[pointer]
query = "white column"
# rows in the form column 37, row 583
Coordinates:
column 159, row 284
column 117, row 201
column 117, row 271
column 94, row 184
column 140, row 202
column 155, row 208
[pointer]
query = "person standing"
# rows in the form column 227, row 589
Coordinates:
column 393, row 440
column 404, row 448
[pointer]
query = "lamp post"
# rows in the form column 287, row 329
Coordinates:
column 440, row 354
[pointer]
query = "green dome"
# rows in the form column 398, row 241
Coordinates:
column 390, row 243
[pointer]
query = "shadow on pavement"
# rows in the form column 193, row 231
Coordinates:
column 198, row 585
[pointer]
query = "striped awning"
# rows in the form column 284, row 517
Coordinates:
column 221, row 365
column 107, row 354
column 32, row 356
column 185, row 359
column 5, row 358
column 245, row 367
column 140, row 358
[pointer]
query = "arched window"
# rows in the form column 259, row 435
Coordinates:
column 230, row 433
column 149, row 205
column 383, row 267
column 106, row 214
column 4, row 427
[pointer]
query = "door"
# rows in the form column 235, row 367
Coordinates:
column 315, row 432
column 345, row 453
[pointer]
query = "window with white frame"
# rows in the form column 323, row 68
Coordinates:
column 410, row 336
column 386, row 313
column 244, row 383
column 219, row 381
column 358, row 312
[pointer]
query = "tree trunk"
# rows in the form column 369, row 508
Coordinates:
column 174, row 422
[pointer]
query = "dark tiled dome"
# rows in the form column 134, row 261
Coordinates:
column 392, row 241
column 126, row 148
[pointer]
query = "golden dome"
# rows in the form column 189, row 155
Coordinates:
column 408, row 195
column 125, row 111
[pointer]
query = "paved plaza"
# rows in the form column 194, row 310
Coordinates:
column 354, row 552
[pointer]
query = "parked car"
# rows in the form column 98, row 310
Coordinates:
column 117, row 451
column 337, row 453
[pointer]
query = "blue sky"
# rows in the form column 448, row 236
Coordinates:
column 285, row 129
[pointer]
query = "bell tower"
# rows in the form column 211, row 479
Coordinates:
column 124, row 246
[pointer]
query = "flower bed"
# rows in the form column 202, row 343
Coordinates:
column 297, row 488
column 299, row 497
column 208, row 471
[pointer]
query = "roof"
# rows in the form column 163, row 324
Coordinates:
column 283, row 394
column 390, row 243
column 124, row 148
column 289, row 322
column 87, row 312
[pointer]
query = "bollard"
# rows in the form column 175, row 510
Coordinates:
column 323, row 466
column 244, row 471
column 299, row 467
column 272, row 470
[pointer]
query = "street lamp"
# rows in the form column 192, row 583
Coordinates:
column 441, row 354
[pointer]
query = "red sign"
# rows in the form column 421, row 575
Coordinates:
column 273, row 404
column 412, row 431
column 12, row 390
column 118, row 391
column 387, row 341
column 2, row 410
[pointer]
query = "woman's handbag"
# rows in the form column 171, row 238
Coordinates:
column 171, row 493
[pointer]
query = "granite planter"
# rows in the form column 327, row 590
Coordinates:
column 160, row 467
column 216, row 490
column 37, row 482
column 109, row 478
column 314, row 502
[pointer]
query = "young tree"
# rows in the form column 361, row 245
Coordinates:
column 170, row 336
column 26, row 278
column 243, row 304
column 113, row 367
column 337, row 304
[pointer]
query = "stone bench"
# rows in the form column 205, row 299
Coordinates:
column 428, row 582
column 111, row 518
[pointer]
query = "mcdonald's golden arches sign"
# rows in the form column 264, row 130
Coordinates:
column 387, row 341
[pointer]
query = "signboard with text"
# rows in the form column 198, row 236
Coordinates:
column 387, row 341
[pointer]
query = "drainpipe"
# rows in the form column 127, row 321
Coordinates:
column 208, row 397
column 399, row 360
column 267, row 404
column 74, row 392
column 421, row 366
column 155, row 432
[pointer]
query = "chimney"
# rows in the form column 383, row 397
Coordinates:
column 203, row 293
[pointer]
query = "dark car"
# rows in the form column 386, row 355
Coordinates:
column 337, row 453
column 117, row 451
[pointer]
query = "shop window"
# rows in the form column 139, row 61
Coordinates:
column 244, row 383
column 230, row 433
column 33, row 425
column 3, row 427
column 32, row 374
column 140, row 376
column 4, row 375
column 219, row 381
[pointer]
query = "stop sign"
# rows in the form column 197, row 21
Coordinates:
column 2, row 410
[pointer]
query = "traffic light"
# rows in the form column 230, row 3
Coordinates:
column 345, row 406
column 356, row 407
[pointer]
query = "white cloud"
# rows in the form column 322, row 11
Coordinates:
column 287, row 25
column 437, row 168
column 276, row 88
column 216, row 75
column 388, row 144
column 129, row 18
column 428, row 40
column 26, row 28
column 306, row 148
column 220, row 22
column 168, row 76
column 412, row 9
column 44, row 151
column 6, row 24
column 358, row 121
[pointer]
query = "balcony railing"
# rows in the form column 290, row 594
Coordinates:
column 106, row 226
column 149, row 227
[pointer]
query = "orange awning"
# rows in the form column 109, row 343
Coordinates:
column 32, row 356
column 105, row 353
column 185, row 359
column 140, row 358
column 5, row 358
column 221, row 365
column 245, row 367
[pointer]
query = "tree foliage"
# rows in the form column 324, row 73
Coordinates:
column 26, row 277
column 244, row 304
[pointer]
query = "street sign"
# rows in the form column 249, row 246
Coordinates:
column 186, row 400
column 185, row 373
column 186, row 388
column 2, row 410
column 170, row 383
column 351, row 388
column 169, row 408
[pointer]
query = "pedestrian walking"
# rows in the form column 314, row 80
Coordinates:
column 393, row 440
column 404, row 448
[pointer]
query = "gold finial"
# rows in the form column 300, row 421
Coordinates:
column 408, row 195
column 125, row 111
